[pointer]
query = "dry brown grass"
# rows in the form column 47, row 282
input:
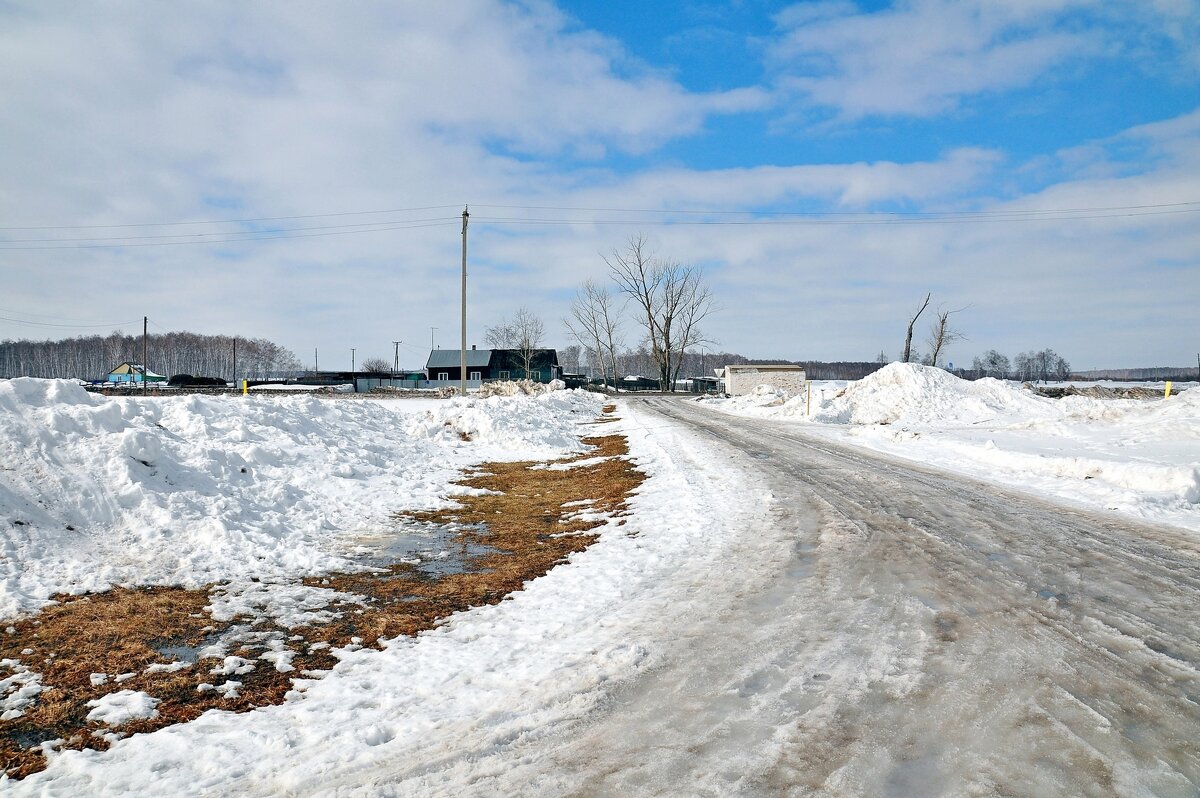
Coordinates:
column 521, row 519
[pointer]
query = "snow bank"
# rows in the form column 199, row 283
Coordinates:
column 1137, row 457
column 190, row 490
column 904, row 392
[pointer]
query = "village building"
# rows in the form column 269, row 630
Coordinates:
column 743, row 379
column 133, row 373
column 492, row 364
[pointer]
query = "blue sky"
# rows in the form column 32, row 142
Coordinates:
column 126, row 125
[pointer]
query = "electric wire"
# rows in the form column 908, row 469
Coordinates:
column 658, row 217
column 231, row 221
column 234, row 238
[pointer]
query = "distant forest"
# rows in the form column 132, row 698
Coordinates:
column 93, row 357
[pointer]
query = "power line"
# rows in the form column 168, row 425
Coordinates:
column 233, row 239
column 350, row 227
column 720, row 212
column 75, row 325
column 822, row 222
column 664, row 218
column 230, row 221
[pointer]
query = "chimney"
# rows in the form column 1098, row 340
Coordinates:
column 472, row 347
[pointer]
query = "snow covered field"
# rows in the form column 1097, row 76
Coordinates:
column 1136, row 457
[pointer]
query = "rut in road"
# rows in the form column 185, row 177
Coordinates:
column 916, row 634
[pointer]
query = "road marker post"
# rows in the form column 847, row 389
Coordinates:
column 1167, row 390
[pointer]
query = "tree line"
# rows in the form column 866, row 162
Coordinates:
column 93, row 357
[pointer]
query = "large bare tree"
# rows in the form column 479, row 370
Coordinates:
column 595, row 322
column 905, row 358
column 671, row 298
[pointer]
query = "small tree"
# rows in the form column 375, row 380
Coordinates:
column 377, row 365
column 942, row 334
column 595, row 322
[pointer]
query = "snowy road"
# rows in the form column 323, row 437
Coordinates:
column 918, row 634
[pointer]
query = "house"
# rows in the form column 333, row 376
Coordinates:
column 743, row 379
column 133, row 372
column 492, row 364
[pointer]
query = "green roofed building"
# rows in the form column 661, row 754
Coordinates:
column 134, row 372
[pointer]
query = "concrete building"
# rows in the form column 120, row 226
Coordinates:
column 740, row 380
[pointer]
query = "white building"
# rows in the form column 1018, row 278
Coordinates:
column 744, row 379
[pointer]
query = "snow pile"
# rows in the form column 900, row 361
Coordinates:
column 196, row 489
column 906, row 392
column 1137, row 457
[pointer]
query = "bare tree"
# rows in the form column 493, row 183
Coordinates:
column 523, row 334
column 671, row 299
column 595, row 322
column 376, row 365
column 911, row 323
column 941, row 334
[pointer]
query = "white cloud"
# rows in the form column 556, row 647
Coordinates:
column 922, row 57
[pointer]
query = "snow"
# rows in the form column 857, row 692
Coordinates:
column 1140, row 458
column 123, row 706
column 517, row 670
column 254, row 492
column 190, row 490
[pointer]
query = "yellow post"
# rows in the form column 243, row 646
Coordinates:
column 245, row 387
column 1167, row 391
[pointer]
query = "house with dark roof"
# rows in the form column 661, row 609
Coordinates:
column 492, row 364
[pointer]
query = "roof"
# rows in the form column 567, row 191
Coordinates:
column 754, row 368
column 452, row 358
column 135, row 368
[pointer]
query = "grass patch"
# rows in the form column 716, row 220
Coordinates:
column 129, row 634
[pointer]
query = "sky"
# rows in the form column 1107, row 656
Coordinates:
column 297, row 171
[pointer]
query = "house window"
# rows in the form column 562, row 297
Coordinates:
column 443, row 376
column 504, row 375
column 474, row 375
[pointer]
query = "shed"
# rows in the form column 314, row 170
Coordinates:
column 743, row 379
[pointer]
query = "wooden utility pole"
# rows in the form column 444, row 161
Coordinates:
column 396, row 361
column 235, row 379
column 462, row 360
column 316, row 362
column 145, row 324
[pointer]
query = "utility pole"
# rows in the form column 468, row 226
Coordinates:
column 235, row 379
column 316, row 363
column 396, row 361
column 462, row 360
column 145, row 325
column 352, row 361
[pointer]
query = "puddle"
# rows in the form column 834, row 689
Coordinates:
column 436, row 550
column 180, row 651
column 1048, row 594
